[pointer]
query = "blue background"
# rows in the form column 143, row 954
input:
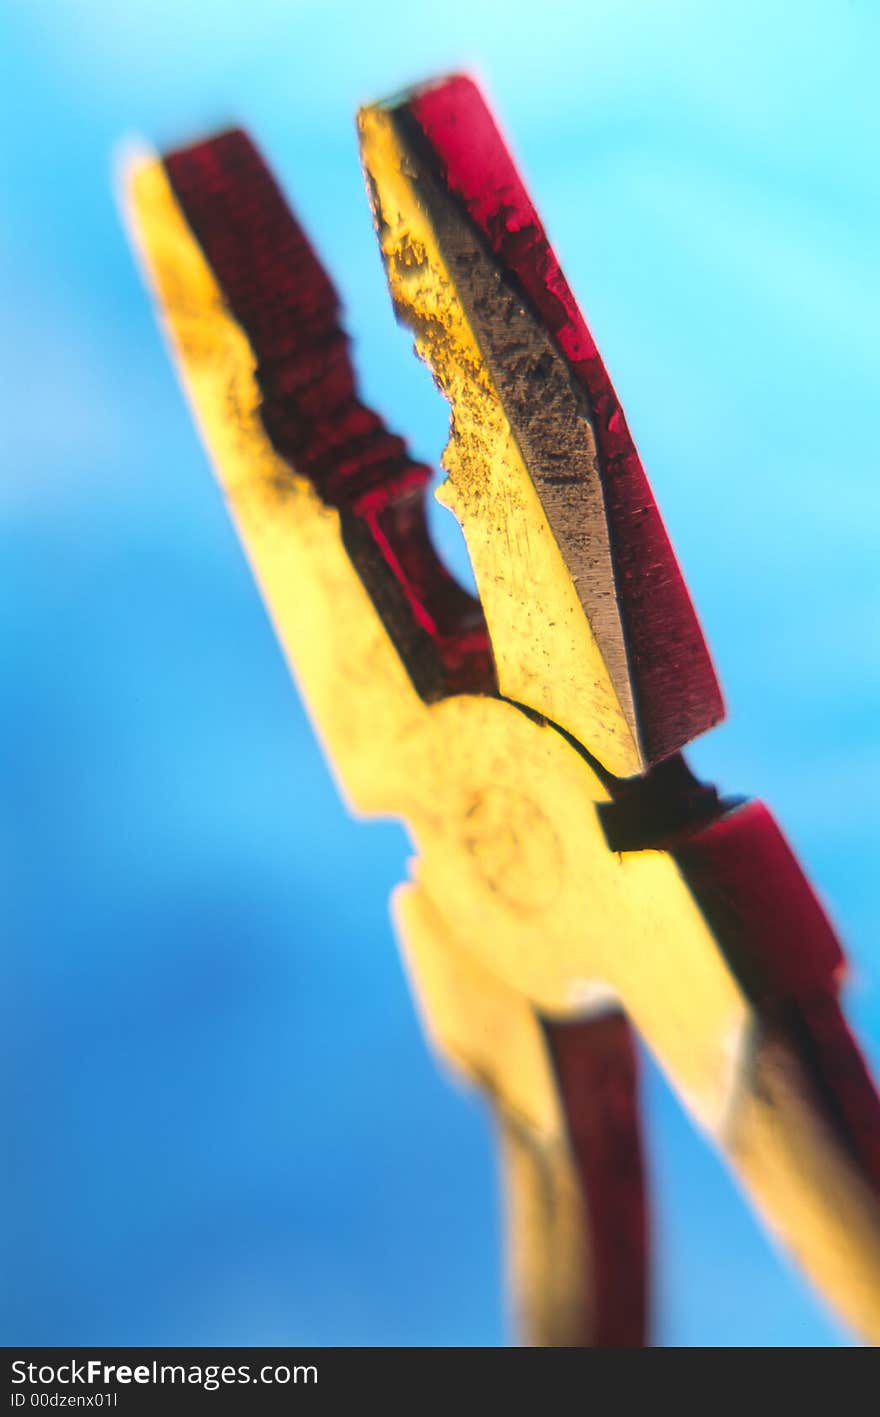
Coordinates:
column 225, row 1125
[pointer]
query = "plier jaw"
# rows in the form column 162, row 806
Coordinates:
column 591, row 622
column 572, row 877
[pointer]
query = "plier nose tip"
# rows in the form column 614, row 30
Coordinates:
column 572, row 876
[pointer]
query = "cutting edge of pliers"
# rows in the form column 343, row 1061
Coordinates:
column 582, row 651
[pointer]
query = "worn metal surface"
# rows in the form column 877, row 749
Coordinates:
column 569, row 875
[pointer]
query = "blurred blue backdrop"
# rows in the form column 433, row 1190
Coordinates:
column 225, row 1125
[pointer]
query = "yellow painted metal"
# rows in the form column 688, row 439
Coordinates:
column 516, row 909
column 490, row 1034
column 545, row 650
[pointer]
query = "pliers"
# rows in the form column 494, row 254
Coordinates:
column 572, row 878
